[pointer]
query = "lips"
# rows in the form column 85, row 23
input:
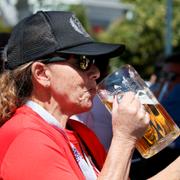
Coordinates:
column 92, row 91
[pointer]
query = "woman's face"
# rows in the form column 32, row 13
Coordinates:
column 72, row 88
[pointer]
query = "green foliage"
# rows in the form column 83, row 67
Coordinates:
column 3, row 27
column 144, row 35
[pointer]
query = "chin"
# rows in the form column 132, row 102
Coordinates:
column 86, row 108
column 84, row 105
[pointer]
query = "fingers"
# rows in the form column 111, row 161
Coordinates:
column 147, row 118
column 129, row 117
column 129, row 108
column 128, row 98
column 131, row 101
column 125, row 99
column 141, row 112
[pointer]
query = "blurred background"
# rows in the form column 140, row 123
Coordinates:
column 150, row 29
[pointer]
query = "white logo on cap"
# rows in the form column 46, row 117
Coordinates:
column 78, row 26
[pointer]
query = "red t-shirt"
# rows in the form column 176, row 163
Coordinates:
column 32, row 149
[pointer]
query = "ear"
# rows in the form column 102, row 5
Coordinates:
column 40, row 74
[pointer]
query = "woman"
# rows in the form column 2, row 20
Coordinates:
column 50, row 74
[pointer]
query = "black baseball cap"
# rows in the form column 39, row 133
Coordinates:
column 46, row 32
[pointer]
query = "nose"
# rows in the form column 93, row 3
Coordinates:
column 93, row 72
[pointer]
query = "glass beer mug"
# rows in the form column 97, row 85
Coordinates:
column 162, row 129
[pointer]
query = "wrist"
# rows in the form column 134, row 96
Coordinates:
column 124, row 140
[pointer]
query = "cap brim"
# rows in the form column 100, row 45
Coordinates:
column 96, row 49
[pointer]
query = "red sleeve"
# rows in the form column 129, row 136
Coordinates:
column 35, row 156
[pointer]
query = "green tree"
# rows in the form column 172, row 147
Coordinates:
column 3, row 27
column 144, row 34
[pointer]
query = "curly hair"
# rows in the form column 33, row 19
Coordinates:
column 16, row 87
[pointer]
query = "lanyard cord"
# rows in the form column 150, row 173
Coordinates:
column 84, row 163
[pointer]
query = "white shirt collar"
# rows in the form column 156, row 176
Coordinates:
column 43, row 113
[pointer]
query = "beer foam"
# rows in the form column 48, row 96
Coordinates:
column 110, row 98
column 143, row 97
column 117, row 86
column 146, row 100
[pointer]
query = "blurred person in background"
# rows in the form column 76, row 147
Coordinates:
column 170, row 90
column 167, row 86
column 167, row 89
column 171, row 86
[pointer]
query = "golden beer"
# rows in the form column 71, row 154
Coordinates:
column 160, row 133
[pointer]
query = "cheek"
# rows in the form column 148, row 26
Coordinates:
column 60, row 86
column 67, row 85
column 70, row 88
